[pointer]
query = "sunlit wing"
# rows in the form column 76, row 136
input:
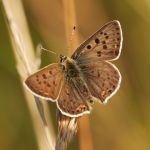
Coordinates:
column 105, row 44
column 103, row 79
column 46, row 83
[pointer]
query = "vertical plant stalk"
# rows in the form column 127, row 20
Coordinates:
column 70, row 23
column 27, row 62
column 85, row 135
column 67, row 127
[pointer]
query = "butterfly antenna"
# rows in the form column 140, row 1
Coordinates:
column 47, row 50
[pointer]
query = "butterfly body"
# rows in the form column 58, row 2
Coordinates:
column 88, row 75
column 73, row 73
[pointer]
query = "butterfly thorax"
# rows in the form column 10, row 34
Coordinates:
column 69, row 67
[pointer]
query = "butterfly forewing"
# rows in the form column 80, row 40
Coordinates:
column 105, row 44
column 103, row 79
column 46, row 83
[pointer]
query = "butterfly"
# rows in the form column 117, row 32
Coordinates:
column 88, row 75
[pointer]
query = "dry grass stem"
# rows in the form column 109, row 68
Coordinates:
column 67, row 128
column 27, row 62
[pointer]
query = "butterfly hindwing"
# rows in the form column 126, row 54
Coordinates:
column 103, row 79
column 105, row 44
column 73, row 99
column 46, row 82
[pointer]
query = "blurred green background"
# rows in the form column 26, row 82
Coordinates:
column 122, row 124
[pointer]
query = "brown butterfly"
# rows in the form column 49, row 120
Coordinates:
column 76, row 82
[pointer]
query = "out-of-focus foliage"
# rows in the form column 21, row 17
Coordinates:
column 121, row 124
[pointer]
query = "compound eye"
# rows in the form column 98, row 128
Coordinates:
column 62, row 58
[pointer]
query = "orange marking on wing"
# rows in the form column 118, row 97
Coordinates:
column 103, row 94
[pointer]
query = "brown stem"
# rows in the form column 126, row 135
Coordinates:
column 67, row 126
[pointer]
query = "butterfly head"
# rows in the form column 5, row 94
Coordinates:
column 62, row 58
column 67, row 63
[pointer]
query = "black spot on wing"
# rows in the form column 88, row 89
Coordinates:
column 89, row 47
column 97, row 41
